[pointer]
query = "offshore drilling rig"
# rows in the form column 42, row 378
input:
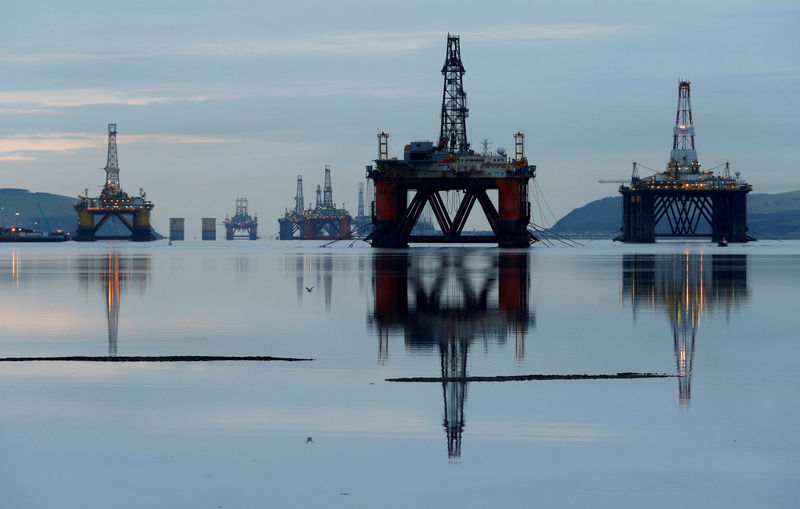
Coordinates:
column 323, row 222
column 113, row 202
column 683, row 194
column 450, row 165
column 241, row 221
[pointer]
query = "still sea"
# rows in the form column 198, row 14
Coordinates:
column 406, row 395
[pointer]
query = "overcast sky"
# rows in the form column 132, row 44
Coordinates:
column 216, row 100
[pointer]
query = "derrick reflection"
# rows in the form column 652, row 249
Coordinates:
column 116, row 273
column 447, row 301
column 686, row 286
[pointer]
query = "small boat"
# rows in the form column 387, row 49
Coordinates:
column 723, row 242
column 16, row 234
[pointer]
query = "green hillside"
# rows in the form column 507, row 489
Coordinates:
column 20, row 209
column 769, row 216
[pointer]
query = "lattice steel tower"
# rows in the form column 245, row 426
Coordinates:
column 683, row 157
column 298, row 199
column 327, row 193
column 112, row 164
column 453, row 132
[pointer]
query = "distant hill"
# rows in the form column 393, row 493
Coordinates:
column 768, row 216
column 20, row 207
column 595, row 218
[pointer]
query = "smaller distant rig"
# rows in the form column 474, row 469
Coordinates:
column 241, row 221
column 687, row 199
column 113, row 202
column 323, row 222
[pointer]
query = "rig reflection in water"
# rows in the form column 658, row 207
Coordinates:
column 448, row 301
column 686, row 286
column 116, row 273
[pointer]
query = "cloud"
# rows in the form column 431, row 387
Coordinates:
column 567, row 31
column 304, row 89
column 13, row 157
column 359, row 43
column 55, row 142
column 40, row 57
column 20, row 147
column 396, row 42
column 180, row 138
column 41, row 100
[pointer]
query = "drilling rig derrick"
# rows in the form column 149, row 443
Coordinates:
column 428, row 170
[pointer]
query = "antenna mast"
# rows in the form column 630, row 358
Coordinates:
column 453, row 132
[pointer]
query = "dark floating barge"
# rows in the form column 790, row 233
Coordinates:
column 15, row 234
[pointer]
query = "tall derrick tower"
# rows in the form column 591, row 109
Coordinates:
column 453, row 130
column 683, row 157
column 112, row 165
column 327, row 192
column 298, row 198
column 691, row 201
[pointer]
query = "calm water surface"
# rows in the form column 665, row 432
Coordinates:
column 724, row 432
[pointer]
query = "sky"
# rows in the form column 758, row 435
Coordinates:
column 215, row 101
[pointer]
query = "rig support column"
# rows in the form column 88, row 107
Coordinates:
column 176, row 228
column 141, row 226
column 729, row 210
column 85, row 226
column 638, row 218
column 286, row 231
column 390, row 205
column 514, row 213
column 209, row 228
